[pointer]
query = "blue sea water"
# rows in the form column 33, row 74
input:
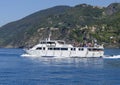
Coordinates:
column 17, row 70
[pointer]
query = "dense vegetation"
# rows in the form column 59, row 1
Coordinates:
column 69, row 23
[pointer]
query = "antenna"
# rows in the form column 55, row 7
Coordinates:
column 49, row 36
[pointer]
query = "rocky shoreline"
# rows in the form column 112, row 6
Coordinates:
column 112, row 45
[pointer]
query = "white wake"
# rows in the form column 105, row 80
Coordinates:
column 111, row 57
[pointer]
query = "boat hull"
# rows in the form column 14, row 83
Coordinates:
column 48, row 53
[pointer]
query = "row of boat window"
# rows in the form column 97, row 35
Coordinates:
column 72, row 49
column 95, row 49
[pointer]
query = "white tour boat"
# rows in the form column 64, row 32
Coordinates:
column 58, row 48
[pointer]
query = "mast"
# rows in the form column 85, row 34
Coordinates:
column 49, row 36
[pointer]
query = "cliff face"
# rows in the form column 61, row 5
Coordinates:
column 71, row 24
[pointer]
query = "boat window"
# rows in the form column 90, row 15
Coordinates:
column 56, row 48
column 50, row 42
column 61, row 42
column 81, row 49
column 39, row 48
column 95, row 49
column 100, row 50
column 43, row 48
column 50, row 48
column 42, row 42
column 90, row 49
column 64, row 48
column 73, row 49
column 47, row 42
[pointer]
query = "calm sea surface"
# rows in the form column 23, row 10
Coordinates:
column 17, row 70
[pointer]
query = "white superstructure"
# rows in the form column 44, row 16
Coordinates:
column 58, row 48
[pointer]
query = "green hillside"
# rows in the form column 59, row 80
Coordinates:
column 71, row 24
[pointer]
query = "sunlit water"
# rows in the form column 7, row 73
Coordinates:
column 17, row 70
